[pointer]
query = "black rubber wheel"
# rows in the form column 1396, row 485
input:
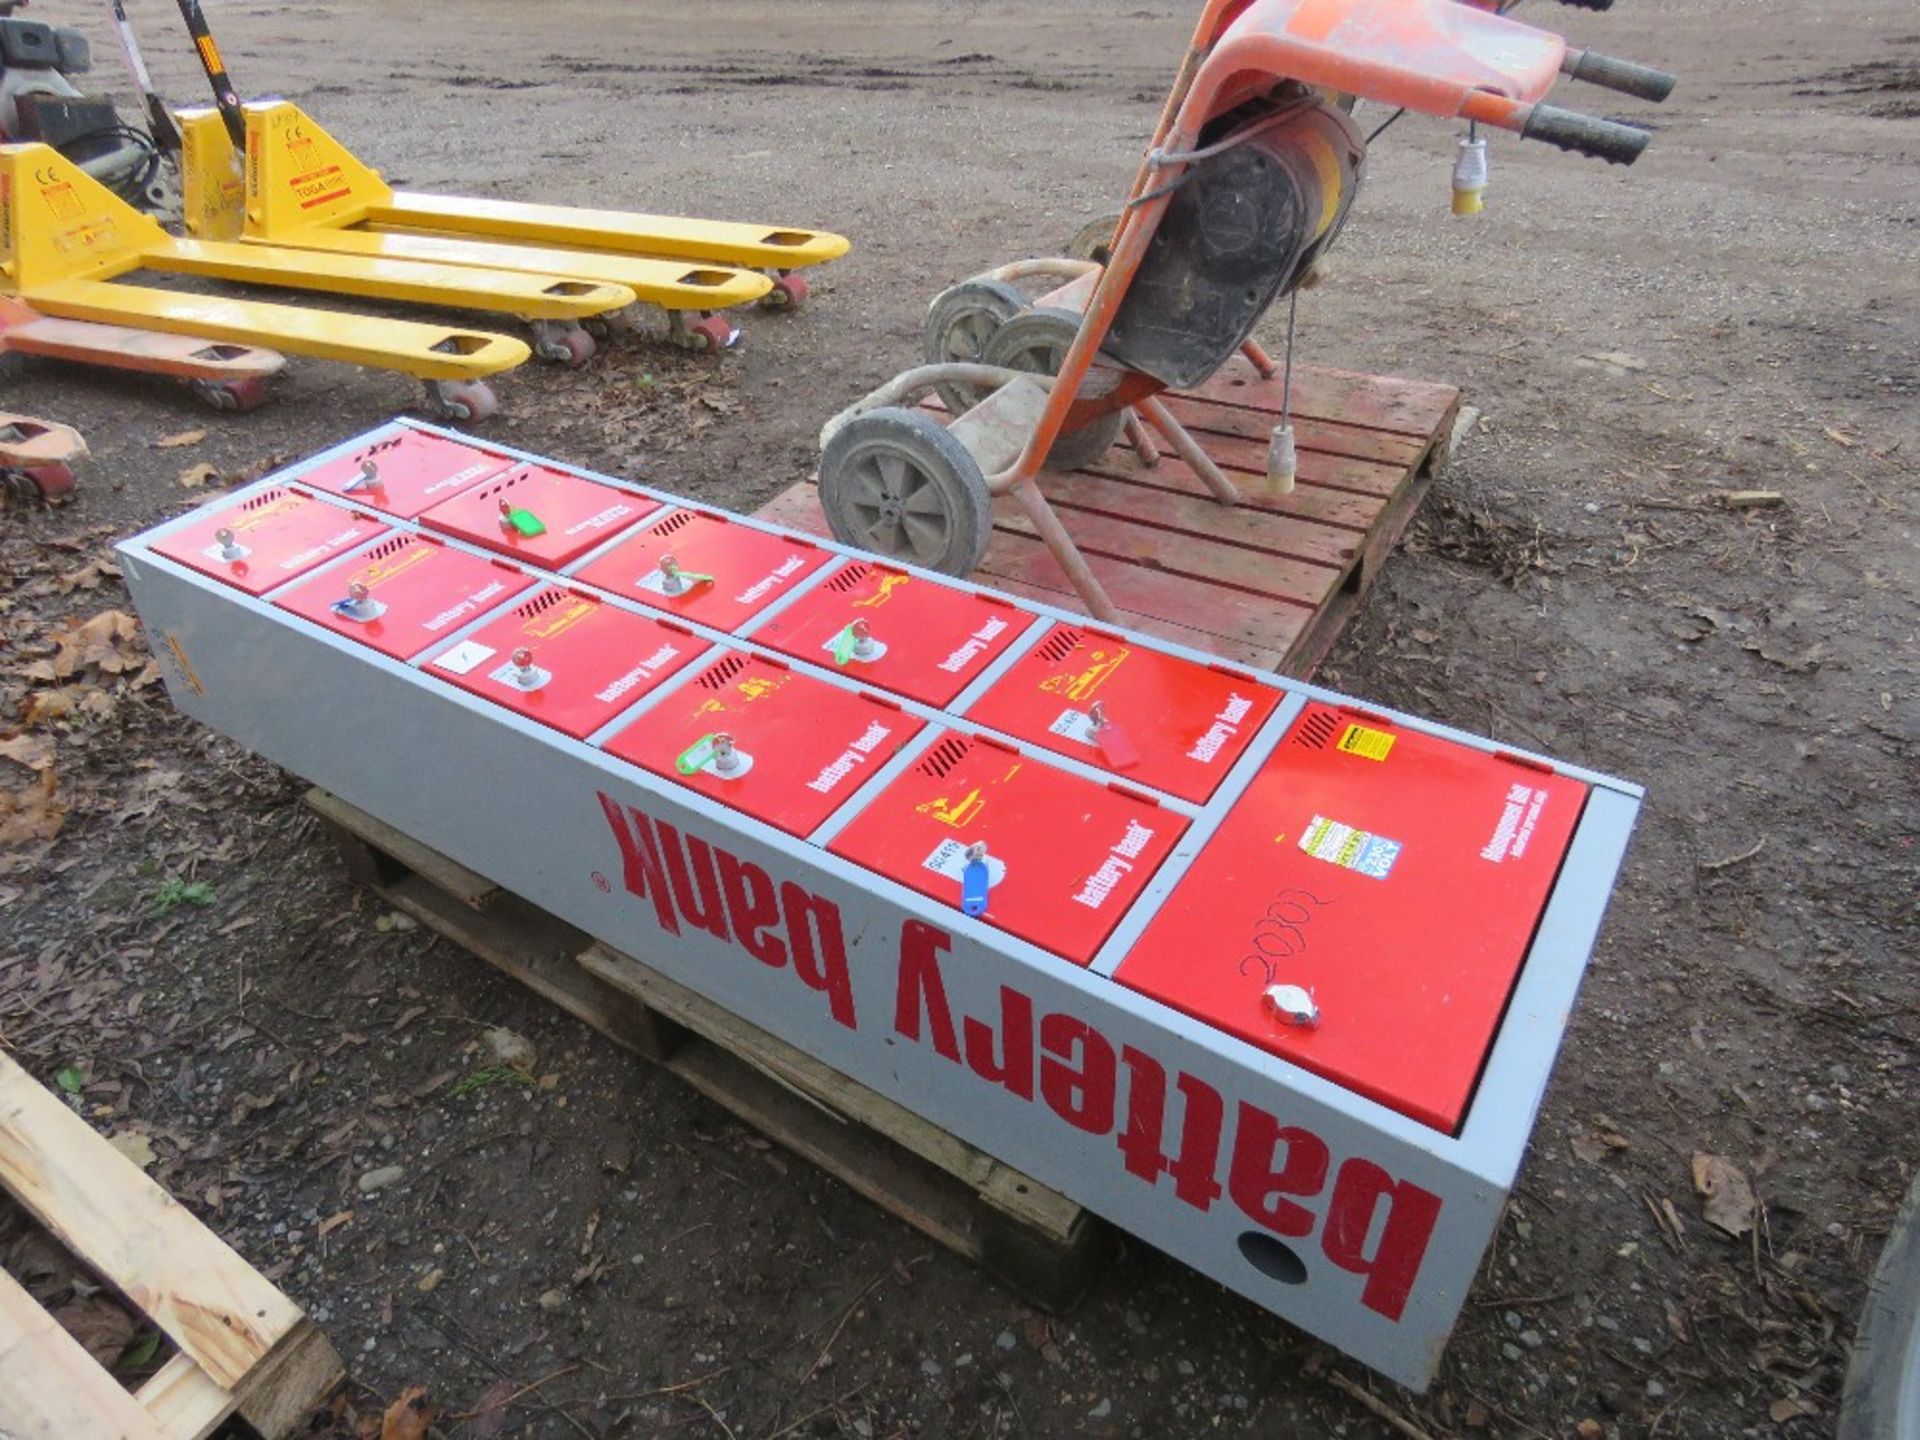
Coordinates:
column 1036, row 341
column 893, row 481
column 960, row 322
column 1881, row 1400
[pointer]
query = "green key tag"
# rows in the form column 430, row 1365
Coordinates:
column 695, row 757
column 843, row 646
column 694, row 577
column 525, row 523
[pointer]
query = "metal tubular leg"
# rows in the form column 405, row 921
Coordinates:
column 1141, row 439
column 1061, row 545
column 1262, row 361
column 1188, row 449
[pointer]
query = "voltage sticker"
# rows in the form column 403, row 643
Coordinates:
column 1367, row 743
column 1350, row 848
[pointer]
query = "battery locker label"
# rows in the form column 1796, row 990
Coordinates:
column 402, row 471
column 704, row 567
column 548, row 517
column 273, row 536
column 567, row 660
column 783, row 747
column 1399, row 884
column 898, row 632
column 1065, row 856
column 406, row 592
column 1181, row 724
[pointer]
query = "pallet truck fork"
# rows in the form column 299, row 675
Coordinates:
column 93, row 232
column 227, row 377
column 37, row 457
column 64, row 239
column 309, row 192
column 1248, row 180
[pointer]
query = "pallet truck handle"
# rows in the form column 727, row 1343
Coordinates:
column 1606, row 140
column 1641, row 81
column 224, row 95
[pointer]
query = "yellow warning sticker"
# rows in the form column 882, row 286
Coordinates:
column 1367, row 743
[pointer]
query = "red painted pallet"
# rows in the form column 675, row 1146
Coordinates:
column 1270, row 582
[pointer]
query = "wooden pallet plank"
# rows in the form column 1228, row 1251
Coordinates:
column 1201, row 517
column 1255, row 657
column 219, row 1310
column 464, row 885
column 184, row 1402
column 538, row 951
column 50, row 1388
column 1350, row 508
column 1379, row 402
column 1209, row 564
column 278, row 1396
column 1208, row 418
column 1246, row 620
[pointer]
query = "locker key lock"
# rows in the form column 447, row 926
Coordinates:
column 856, row 642
column 520, row 521
column 522, row 673
column 675, row 581
column 1115, row 745
column 975, row 880
column 359, row 604
column 726, row 759
column 1293, row 1005
column 367, row 479
column 230, row 548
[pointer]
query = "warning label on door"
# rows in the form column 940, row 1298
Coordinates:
column 1349, row 848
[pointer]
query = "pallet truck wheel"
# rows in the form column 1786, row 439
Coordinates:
column 895, row 482
column 1037, row 341
column 960, row 322
column 54, row 482
column 236, row 396
column 568, row 345
column 711, row 334
column 788, row 291
column 469, row 401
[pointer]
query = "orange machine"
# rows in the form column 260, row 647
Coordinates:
column 1249, row 177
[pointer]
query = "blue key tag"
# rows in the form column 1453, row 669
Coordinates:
column 975, row 882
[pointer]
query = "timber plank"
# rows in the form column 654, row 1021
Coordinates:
column 1330, row 437
column 1378, row 402
column 222, row 1313
column 50, row 1388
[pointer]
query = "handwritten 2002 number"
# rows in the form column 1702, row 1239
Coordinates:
column 1280, row 933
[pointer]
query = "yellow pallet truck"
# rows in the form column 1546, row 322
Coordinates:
column 64, row 240
column 227, row 377
column 306, row 191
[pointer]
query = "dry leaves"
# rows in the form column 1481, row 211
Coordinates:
column 194, row 476
column 135, row 1146
column 409, row 1417
column 184, row 438
column 102, row 1326
column 1728, row 1202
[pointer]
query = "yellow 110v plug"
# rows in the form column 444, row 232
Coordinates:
column 1470, row 177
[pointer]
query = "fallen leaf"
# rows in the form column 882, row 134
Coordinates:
column 135, row 1146
column 332, row 1223
column 1728, row 1198
column 44, row 705
column 33, row 751
column 194, row 476
column 516, row 1052
column 176, row 442
column 102, row 1326
column 409, row 1417
column 1791, row 1407
column 489, row 1414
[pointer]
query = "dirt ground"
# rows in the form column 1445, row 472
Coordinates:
column 1736, row 313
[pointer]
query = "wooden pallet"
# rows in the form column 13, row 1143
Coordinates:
column 1269, row 583
column 1040, row 1244
column 243, row 1347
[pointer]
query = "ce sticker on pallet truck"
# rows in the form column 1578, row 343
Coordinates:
column 1290, row 1021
